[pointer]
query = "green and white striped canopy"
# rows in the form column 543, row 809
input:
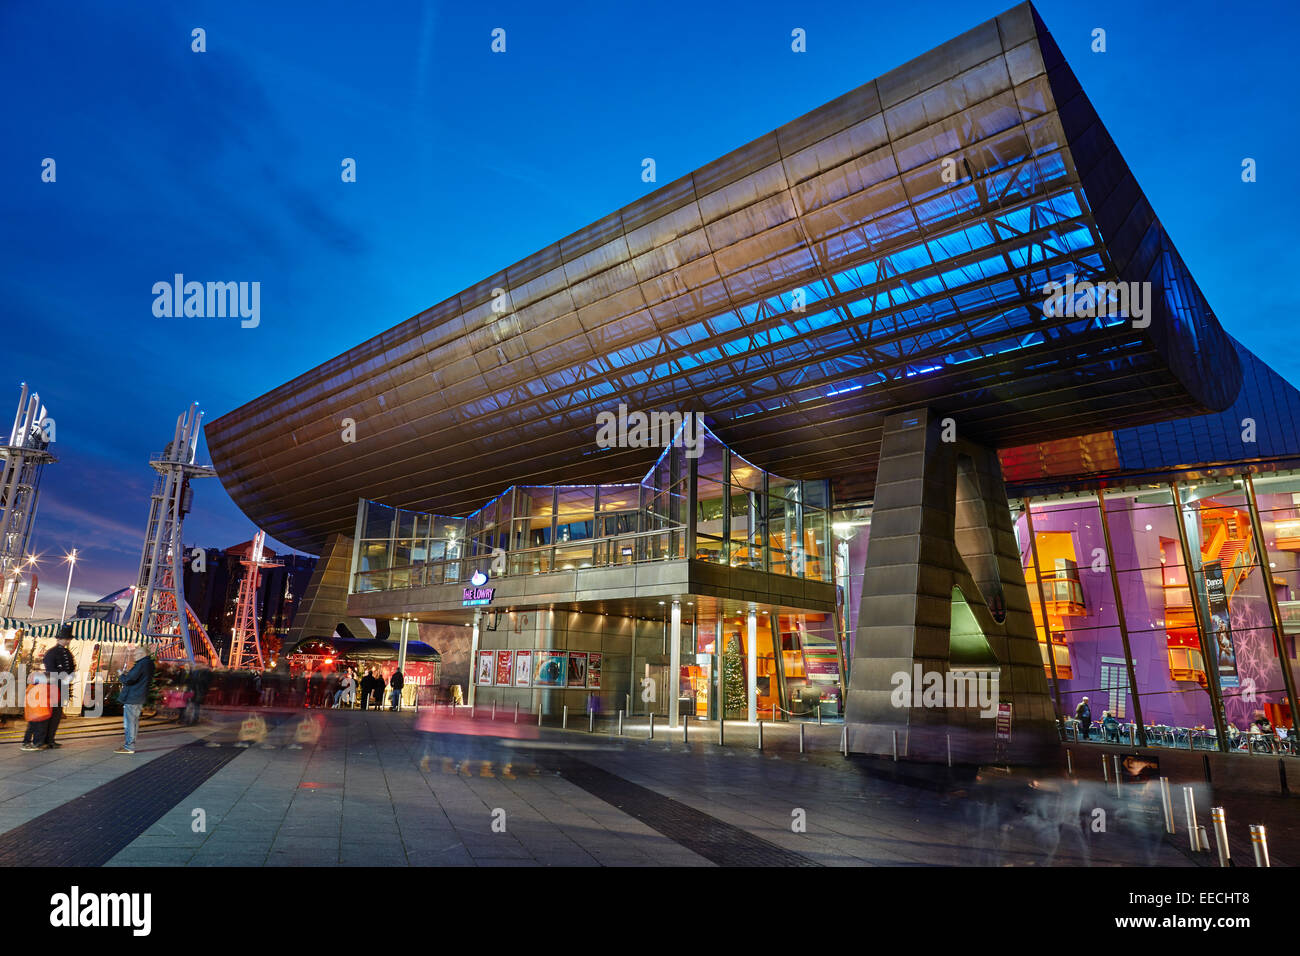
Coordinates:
column 83, row 628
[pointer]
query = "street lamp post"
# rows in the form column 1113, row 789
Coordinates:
column 31, row 566
column 72, row 563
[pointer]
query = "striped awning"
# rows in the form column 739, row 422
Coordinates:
column 83, row 628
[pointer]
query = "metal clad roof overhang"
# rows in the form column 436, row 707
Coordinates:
column 669, row 304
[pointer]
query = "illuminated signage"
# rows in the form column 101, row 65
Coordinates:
column 477, row 596
column 478, row 579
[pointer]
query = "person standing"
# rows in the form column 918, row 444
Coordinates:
column 379, row 690
column 134, row 694
column 36, row 709
column 59, row 667
column 367, row 688
column 396, row 683
column 200, row 679
column 1083, row 714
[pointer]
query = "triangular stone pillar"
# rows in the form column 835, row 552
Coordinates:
column 940, row 522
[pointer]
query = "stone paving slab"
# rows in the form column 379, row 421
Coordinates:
column 361, row 796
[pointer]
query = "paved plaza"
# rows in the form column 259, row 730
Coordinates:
column 365, row 789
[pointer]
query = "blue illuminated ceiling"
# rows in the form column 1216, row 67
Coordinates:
column 887, row 251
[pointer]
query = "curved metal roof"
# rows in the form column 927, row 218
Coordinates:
column 888, row 250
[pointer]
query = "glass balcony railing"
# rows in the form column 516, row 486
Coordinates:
column 623, row 549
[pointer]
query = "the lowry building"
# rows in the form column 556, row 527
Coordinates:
column 884, row 311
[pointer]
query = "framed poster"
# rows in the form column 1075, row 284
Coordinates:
column 485, row 666
column 523, row 668
column 577, row 676
column 504, row 661
column 1220, row 626
column 593, row 671
column 550, row 668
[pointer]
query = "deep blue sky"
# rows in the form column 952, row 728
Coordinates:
column 225, row 166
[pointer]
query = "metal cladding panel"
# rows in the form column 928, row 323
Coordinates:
column 885, row 252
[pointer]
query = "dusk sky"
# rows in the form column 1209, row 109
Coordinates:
column 225, row 166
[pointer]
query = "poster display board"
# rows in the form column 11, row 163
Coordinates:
column 577, row 676
column 550, row 668
column 523, row 668
column 505, row 660
column 486, row 665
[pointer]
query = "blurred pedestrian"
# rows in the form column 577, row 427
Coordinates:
column 59, row 667
column 134, row 694
column 36, row 709
column 379, row 690
column 367, row 687
column 396, row 683
column 200, row 679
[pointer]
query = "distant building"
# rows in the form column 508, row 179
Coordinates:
column 212, row 593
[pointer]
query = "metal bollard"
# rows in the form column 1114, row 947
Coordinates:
column 1259, row 840
column 652, row 726
column 686, row 729
column 591, row 720
column 1167, row 802
column 774, row 712
column 1069, row 764
column 620, row 723
column 1105, row 769
column 844, row 740
column 494, row 711
column 895, row 745
column 721, row 736
column 760, row 736
column 516, row 712
column 1189, row 805
column 1220, row 820
column 949, row 739
column 819, row 715
column 802, row 725
column 539, row 713
column 564, row 719
column 1115, row 759
column 471, row 711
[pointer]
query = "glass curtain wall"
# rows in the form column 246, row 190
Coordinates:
column 744, row 517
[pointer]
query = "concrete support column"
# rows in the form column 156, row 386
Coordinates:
column 943, row 598
column 673, row 689
column 717, row 667
column 473, row 657
column 751, row 671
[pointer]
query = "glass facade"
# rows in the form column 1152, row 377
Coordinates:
column 1153, row 602
column 1152, row 623
column 743, row 517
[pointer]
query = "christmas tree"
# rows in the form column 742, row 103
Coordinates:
column 733, row 680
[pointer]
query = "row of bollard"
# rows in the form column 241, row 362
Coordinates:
column 650, row 735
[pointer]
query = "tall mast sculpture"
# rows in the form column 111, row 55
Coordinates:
column 245, row 643
column 24, row 458
column 159, row 610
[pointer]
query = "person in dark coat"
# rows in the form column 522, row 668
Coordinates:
column 396, row 683
column 59, row 667
column 379, row 691
column 134, row 695
column 367, row 688
column 1083, row 714
column 200, row 679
